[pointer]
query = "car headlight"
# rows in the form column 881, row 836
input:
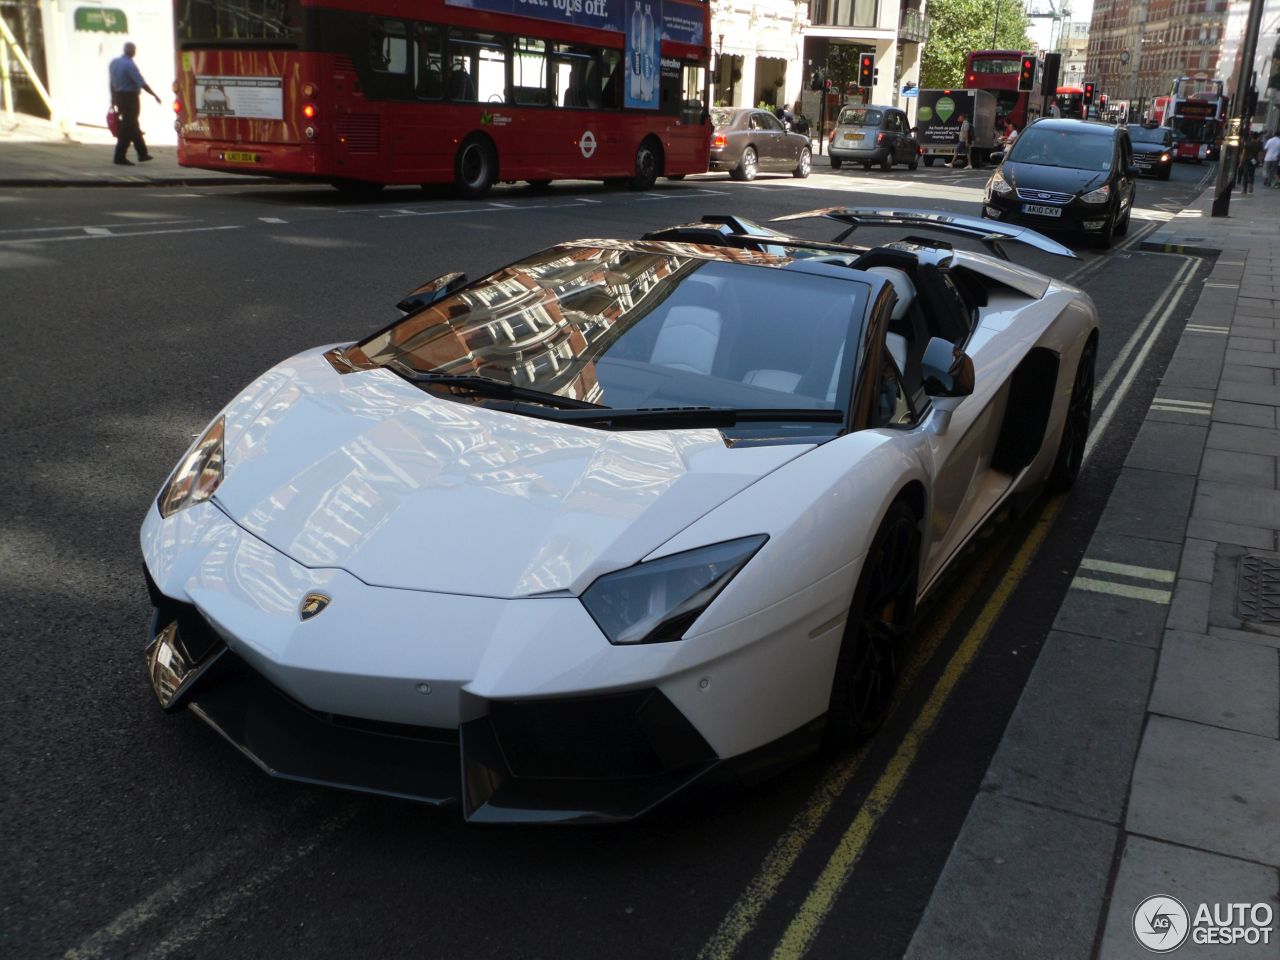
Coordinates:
column 199, row 473
column 656, row 602
column 1164, row 158
column 999, row 184
column 1097, row 196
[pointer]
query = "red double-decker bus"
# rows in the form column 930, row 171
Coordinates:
column 1071, row 102
column 997, row 71
column 364, row 93
column 1197, row 113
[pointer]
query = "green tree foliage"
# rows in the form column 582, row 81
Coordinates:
column 959, row 27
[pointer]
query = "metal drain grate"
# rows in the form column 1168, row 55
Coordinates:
column 1258, row 592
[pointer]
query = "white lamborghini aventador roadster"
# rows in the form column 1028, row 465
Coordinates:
column 622, row 515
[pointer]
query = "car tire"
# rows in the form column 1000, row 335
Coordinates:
column 1165, row 174
column 1123, row 226
column 836, row 162
column 887, row 162
column 872, row 648
column 1107, row 237
column 648, row 165
column 475, row 167
column 866, row 164
column 748, row 166
column 1075, row 427
column 928, row 161
column 915, row 163
column 802, row 169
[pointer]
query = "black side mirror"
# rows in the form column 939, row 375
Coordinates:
column 431, row 291
column 948, row 372
column 997, row 156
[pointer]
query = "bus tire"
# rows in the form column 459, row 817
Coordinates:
column 928, row 161
column 475, row 168
column 648, row 165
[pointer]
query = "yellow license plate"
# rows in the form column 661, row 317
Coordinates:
column 239, row 156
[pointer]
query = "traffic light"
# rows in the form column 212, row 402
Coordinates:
column 867, row 70
column 1102, row 102
column 1027, row 75
column 1088, row 94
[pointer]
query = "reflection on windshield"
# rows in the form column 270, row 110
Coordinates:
column 859, row 118
column 645, row 325
column 1060, row 147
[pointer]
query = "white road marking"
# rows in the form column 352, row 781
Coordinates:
column 1205, row 328
column 503, row 206
column 194, row 929
column 1128, row 570
column 98, row 232
column 1163, row 408
column 117, row 236
column 1170, row 298
column 272, row 220
column 91, row 226
column 1185, row 403
column 1122, row 590
column 587, row 200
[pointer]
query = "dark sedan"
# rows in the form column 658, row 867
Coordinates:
column 1152, row 149
column 745, row 141
column 1074, row 176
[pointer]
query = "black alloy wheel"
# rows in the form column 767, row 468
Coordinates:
column 876, row 635
column 1075, row 429
column 648, row 166
column 889, row 160
column 475, row 168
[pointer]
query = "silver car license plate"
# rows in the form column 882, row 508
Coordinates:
column 1041, row 211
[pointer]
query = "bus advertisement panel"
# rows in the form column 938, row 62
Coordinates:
column 997, row 71
column 363, row 93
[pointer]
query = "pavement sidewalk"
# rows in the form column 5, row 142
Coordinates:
column 1143, row 758
column 36, row 153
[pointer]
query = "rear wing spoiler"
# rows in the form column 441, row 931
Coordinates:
column 991, row 233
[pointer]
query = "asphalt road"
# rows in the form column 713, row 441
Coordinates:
column 133, row 315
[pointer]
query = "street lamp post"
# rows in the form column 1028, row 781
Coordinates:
column 1231, row 143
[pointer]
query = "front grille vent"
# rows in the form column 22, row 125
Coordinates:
column 1043, row 196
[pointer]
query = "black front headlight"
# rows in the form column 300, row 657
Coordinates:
column 658, row 601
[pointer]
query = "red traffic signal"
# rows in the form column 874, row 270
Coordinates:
column 1102, row 101
column 867, row 70
column 1088, row 94
column 1027, row 75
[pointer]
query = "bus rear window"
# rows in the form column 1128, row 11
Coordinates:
column 227, row 22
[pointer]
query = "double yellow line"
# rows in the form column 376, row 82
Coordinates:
column 808, row 919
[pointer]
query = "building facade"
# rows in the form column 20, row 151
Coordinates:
column 1266, row 63
column 1138, row 48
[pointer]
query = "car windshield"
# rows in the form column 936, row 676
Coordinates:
column 859, row 117
column 638, row 326
column 723, row 118
column 1063, row 147
column 1140, row 134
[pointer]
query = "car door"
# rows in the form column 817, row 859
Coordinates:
column 771, row 137
column 909, row 146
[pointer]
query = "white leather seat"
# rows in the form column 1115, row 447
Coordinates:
column 902, row 286
column 688, row 339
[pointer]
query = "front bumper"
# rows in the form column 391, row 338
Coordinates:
column 519, row 710
column 584, row 759
column 1077, row 217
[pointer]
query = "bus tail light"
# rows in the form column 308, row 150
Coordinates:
column 309, row 111
column 177, row 106
column 310, row 89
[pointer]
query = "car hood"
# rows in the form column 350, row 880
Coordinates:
column 1034, row 176
column 1150, row 149
column 367, row 473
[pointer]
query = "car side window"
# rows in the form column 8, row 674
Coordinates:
column 771, row 123
column 893, row 409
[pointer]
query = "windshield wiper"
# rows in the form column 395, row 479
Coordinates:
column 657, row 418
column 496, row 388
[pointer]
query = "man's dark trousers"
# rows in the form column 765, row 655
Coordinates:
column 130, row 132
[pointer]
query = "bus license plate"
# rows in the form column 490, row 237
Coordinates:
column 1042, row 211
column 240, row 156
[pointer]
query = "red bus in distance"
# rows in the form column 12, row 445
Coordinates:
column 997, row 72
column 364, row 93
column 1071, row 102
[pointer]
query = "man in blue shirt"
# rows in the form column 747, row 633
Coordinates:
column 126, row 85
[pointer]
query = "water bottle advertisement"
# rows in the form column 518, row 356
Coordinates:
column 642, row 18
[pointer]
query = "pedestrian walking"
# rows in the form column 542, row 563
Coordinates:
column 1270, row 155
column 1249, row 157
column 1009, row 136
column 126, row 86
column 1055, row 111
column 964, row 144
